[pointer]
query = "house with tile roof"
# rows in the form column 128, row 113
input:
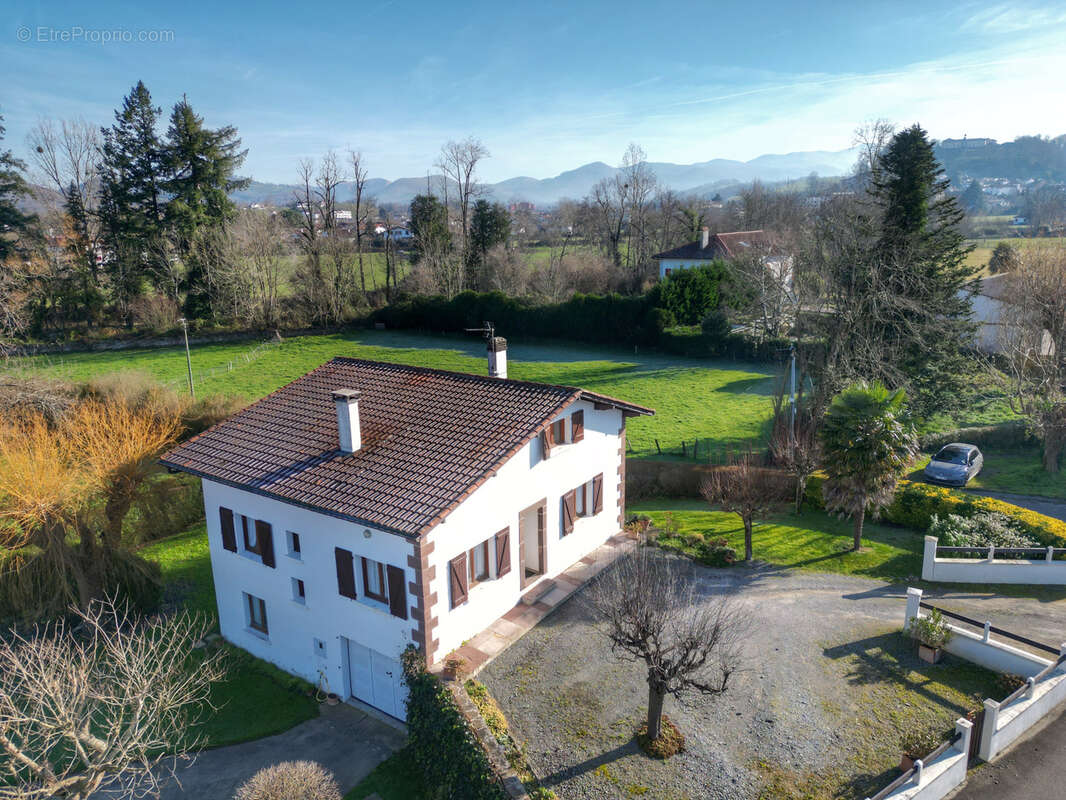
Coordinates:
column 368, row 506
column 726, row 247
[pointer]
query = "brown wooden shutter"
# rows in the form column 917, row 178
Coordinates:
column 345, row 572
column 264, row 539
column 545, row 443
column 458, row 579
column 577, row 426
column 569, row 511
column 397, row 592
column 229, row 533
column 597, row 494
column 503, row 552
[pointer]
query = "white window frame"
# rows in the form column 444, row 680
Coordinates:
column 291, row 537
column 243, row 522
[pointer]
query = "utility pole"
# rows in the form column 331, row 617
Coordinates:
column 792, row 398
column 188, row 357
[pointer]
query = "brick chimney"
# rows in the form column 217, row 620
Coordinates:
column 347, row 401
column 705, row 237
column 497, row 357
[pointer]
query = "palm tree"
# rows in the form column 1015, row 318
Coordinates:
column 867, row 447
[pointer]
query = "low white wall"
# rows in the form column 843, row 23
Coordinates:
column 942, row 776
column 974, row 570
column 1005, row 724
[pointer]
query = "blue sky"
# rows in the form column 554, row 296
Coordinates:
column 547, row 87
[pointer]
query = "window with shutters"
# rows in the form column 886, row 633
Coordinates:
column 345, row 573
column 374, row 580
column 248, row 535
column 558, row 432
column 479, row 563
column 582, row 508
column 589, row 497
column 577, row 426
column 255, row 614
column 458, row 580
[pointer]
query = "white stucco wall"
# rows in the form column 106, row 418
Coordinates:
column 941, row 776
column 1006, row 724
column 326, row 614
column 523, row 481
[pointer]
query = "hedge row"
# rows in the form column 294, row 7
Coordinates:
column 442, row 745
column 693, row 343
column 1005, row 436
column 611, row 318
column 916, row 503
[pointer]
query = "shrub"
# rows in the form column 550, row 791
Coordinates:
column 919, row 744
column 931, row 630
column 690, row 293
column 983, row 529
column 1005, row 436
column 291, row 780
column 441, row 743
column 716, row 325
column 716, row 553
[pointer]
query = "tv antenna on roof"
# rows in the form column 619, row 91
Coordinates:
column 488, row 330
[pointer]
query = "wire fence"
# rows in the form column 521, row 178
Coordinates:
column 238, row 361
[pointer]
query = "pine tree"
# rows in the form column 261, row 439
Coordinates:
column 12, row 186
column 131, row 207
column 200, row 165
column 920, row 254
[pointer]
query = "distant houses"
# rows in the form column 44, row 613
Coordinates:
column 727, row 247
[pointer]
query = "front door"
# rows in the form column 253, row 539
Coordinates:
column 377, row 680
column 531, row 537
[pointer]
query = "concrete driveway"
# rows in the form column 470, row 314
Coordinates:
column 347, row 741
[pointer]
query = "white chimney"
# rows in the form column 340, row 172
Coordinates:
column 347, row 401
column 705, row 238
column 497, row 357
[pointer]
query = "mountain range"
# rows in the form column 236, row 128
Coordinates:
column 706, row 177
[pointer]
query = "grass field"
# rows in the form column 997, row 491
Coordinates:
column 256, row 699
column 810, row 540
column 983, row 248
column 723, row 403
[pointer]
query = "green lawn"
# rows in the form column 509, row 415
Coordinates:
column 810, row 540
column 256, row 699
column 393, row 779
column 1016, row 471
column 722, row 403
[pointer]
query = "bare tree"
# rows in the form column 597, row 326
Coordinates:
column 363, row 210
column 652, row 610
column 1032, row 341
column 97, row 704
column 794, row 441
column 871, row 138
column 458, row 161
column 746, row 488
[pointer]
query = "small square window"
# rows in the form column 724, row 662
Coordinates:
column 320, row 648
column 294, row 544
column 299, row 593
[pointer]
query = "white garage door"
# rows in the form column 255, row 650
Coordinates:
column 377, row 680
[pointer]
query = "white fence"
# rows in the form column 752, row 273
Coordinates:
column 1038, row 567
column 1004, row 721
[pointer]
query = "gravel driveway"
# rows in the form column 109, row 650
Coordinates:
column 824, row 653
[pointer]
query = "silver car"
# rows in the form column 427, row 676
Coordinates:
column 955, row 464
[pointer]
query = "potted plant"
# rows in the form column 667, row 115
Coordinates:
column 332, row 699
column 454, row 668
column 915, row 745
column 932, row 633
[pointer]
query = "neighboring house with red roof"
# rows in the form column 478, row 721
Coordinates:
column 368, row 506
column 726, row 247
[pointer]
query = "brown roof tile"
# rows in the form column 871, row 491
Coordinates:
column 428, row 436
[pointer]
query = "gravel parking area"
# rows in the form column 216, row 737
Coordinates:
column 828, row 686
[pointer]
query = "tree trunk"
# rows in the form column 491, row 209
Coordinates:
column 1052, row 450
column 655, row 713
column 747, row 538
column 860, row 515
